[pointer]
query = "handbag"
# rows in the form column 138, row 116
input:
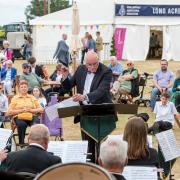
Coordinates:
column 25, row 116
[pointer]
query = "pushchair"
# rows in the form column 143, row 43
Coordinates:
column 143, row 82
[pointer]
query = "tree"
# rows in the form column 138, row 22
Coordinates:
column 36, row 7
column 113, row 50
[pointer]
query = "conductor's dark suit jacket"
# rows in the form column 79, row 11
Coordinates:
column 34, row 159
column 100, row 87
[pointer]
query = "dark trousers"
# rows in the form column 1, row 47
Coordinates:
column 160, row 126
column 91, row 146
column 22, row 125
column 84, row 51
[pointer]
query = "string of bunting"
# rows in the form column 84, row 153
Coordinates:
column 91, row 27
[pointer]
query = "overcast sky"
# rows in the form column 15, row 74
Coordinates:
column 12, row 10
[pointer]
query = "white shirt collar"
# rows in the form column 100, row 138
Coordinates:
column 38, row 145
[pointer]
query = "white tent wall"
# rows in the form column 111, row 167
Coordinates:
column 46, row 38
column 174, row 34
column 136, row 44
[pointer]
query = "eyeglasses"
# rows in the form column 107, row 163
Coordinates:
column 92, row 64
column 25, row 67
column 163, row 64
column 129, row 64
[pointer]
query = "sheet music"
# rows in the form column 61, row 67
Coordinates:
column 4, row 136
column 69, row 151
column 140, row 173
column 52, row 111
column 168, row 144
column 149, row 139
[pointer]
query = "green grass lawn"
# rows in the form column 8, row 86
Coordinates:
column 72, row 131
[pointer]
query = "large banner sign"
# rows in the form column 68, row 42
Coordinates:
column 119, row 37
column 146, row 10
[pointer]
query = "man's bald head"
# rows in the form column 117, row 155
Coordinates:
column 92, row 61
column 39, row 134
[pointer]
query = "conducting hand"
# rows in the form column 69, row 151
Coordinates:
column 79, row 97
column 3, row 154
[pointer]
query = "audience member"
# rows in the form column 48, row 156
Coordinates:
column 115, row 67
column 39, row 70
column 99, row 45
column 176, row 88
column 135, row 133
column 37, row 93
column 62, row 51
column 7, row 51
column 91, row 44
column 84, row 41
column 3, row 103
column 24, row 107
column 152, row 44
column 163, row 81
column 8, row 74
column 165, row 114
column 58, row 77
column 3, row 99
column 113, row 156
column 28, row 47
column 126, row 83
column 32, row 79
column 35, row 158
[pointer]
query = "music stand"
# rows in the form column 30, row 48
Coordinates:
column 98, row 120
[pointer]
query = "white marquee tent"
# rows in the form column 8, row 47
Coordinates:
column 99, row 15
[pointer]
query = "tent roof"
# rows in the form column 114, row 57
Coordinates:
column 91, row 12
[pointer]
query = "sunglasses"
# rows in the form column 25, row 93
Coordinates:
column 129, row 64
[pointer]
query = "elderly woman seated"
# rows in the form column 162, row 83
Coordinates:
column 24, row 107
column 127, row 83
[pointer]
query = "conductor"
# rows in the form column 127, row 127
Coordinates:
column 92, row 81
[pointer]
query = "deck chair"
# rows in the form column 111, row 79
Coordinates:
column 54, row 126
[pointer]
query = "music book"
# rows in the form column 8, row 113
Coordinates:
column 69, row 151
column 5, row 135
column 140, row 173
column 167, row 141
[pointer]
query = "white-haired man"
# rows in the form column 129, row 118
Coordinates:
column 115, row 67
column 127, row 83
column 35, row 158
column 113, row 156
column 8, row 75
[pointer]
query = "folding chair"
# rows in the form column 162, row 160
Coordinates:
column 15, row 134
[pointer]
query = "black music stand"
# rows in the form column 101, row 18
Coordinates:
column 98, row 120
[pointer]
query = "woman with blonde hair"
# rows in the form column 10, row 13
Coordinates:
column 139, row 153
